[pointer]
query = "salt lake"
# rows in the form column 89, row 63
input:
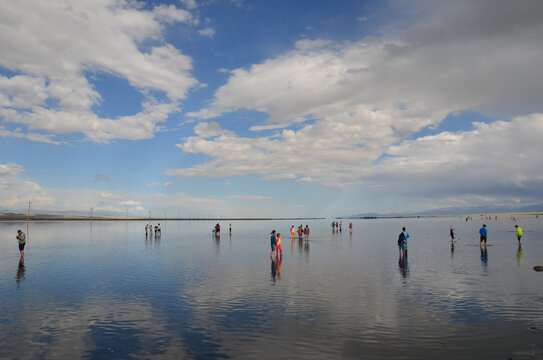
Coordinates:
column 103, row 290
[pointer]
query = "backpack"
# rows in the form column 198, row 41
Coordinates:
column 401, row 238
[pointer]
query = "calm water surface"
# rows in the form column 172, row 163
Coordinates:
column 103, row 290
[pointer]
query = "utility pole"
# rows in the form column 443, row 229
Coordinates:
column 28, row 214
column 91, row 211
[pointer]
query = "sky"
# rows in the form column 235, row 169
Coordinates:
column 237, row 108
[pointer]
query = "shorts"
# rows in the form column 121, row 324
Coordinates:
column 273, row 247
column 518, row 238
column 22, row 247
column 483, row 238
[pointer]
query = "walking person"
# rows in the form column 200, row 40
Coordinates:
column 484, row 233
column 452, row 233
column 21, row 237
column 273, row 243
column 519, row 235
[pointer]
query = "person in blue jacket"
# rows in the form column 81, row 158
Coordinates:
column 484, row 233
column 273, row 243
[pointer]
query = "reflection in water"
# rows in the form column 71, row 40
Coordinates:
column 403, row 266
column 217, row 236
column 452, row 249
column 484, row 256
column 20, row 272
column 179, row 301
column 519, row 255
column 273, row 269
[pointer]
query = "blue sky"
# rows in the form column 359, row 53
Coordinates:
column 269, row 108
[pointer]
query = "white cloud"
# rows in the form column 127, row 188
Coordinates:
column 55, row 45
column 16, row 191
column 361, row 99
column 129, row 203
column 207, row 32
column 10, row 169
column 189, row 4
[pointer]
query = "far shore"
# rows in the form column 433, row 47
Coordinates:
column 21, row 217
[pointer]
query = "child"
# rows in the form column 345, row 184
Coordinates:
column 279, row 247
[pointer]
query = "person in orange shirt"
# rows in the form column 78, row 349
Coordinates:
column 279, row 247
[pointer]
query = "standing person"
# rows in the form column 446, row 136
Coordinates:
column 306, row 232
column 292, row 232
column 351, row 226
column 300, row 232
column 22, row 242
column 401, row 241
column 519, row 234
column 273, row 243
column 484, row 233
column 279, row 247
column 406, row 236
column 230, row 228
column 156, row 229
column 452, row 233
column 146, row 229
column 159, row 229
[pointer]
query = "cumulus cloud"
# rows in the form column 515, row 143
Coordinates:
column 63, row 41
column 16, row 191
column 343, row 107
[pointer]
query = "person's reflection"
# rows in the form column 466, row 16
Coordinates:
column 20, row 272
column 403, row 266
column 217, row 236
column 157, row 240
column 452, row 249
column 279, row 262
column 519, row 255
column 484, row 256
column 273, row 268
column 300, row 245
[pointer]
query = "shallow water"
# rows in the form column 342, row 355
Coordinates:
column 103, row 290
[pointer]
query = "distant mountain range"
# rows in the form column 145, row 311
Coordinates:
column 461, row 210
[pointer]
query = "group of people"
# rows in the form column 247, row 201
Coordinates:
column 276, row 248
column 149, row 230
column 484, row 234
column 339, row 226
column 301, row 231
column 217, row 228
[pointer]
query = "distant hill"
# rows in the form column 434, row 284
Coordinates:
column 460, row 210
